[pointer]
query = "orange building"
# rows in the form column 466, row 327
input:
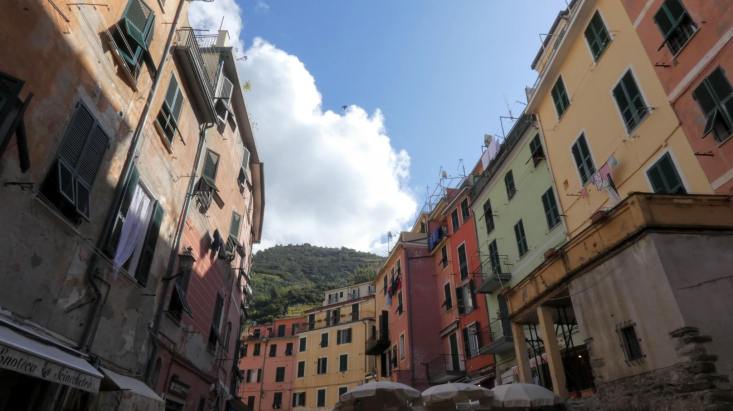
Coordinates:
column 689, row 44
column 266, row 364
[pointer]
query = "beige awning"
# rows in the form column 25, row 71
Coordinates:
column 133, row 385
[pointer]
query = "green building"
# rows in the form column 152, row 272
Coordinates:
column 517, row 220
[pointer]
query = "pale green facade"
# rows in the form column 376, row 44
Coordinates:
column 532, row 179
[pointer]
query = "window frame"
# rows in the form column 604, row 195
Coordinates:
column 663, row 8
column 494, row 257
column 280, row 377
column 321, row 397
column 550, row 195
column 719, row 105
column 455, row 223
column 597, row 54
column 560, row 111
column 300, row 372
column 302, row 344
column 463, row 265
column 577, row 166
column 447, row 296
column 490, row 214
column 535, row 148
column 677, row 169
column 638, row 118
column 632, row 350
column 343, row 368
column 520, row 235
column 170, row 112
column 465, row 210
column 509, row 185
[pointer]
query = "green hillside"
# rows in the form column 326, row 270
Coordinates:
column 289, row 275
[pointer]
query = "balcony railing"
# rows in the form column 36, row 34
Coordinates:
column 200, row 62
column 446, row 368
column 501, row 341
column 493, row 281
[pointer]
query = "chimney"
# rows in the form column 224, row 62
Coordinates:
column 221, row 38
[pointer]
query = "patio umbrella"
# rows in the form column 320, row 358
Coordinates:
column 379, row 394
column 455, row 392
column 524, row 395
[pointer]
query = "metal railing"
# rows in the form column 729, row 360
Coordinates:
column 198, row 46
column 446, row 368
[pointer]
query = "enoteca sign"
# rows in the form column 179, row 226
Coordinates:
column 18, row 361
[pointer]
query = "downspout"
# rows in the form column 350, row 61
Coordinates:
column 174, row 253
column 91, row 326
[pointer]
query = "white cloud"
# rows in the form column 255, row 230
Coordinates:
column 332, row 179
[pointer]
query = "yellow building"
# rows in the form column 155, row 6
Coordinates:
column 602, row 111
column 331, row 356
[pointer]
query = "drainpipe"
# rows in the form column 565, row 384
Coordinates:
column 90, row 329
column 174, row 253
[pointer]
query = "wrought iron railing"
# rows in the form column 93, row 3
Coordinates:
column 198, row 46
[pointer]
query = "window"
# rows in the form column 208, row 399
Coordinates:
column 244, row 350
column 465, row 212
column 597, row 36
column 664, row 177
column 289, row 349
column 281, row 330
column 471, row 340
column 715, row 98
column 280, row 374
column 322, row 366
column 215, row 323
column 463, row 261
column 277, row 400
column 343, row 363
column 488, row 217
column 259, row 375
column 249, row 377
column 560, row 97
column 294, row 329
column 521, row 238
column 302, row 346
column 343, row 336
column 68, row 185
column 336, row 316
column 447, row 302
column 552, row 215
column 131, row 37
column 273, row 350
column 321, row 398
column 460, row 303
column 402, row 346
column 324, row 340
column 400, row 307
column 170, row 111
column 509, row 183
column 301, row 369
column 354, row 312
column 535, row 148
column 630, row 343
column 466, row 298
column 342, row 391
column 675, row 24
column 494, row 258
column 384, row 285
column 454, row 220
column 12, row 112
column 298, row 399
column 211, row 166
column 136, row 256
column 444, row 257
column 311, row 321
column 256, row 350
column 251, row 402
column 630, row 101
column 583, row 160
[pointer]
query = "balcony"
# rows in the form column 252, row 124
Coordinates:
column 378, row 344
column 446, row 368
column 198, row 57
column 493, row 281
column 501, row 341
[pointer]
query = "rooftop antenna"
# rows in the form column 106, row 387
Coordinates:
column 222, row 23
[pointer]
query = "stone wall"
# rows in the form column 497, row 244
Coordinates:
column 691, row 384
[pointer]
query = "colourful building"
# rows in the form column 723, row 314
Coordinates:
column 464, row 322
column 689, row 44
column 408, row 333
column 331, row 356
column 607, row 123
column 517, row 221
column 267, row 364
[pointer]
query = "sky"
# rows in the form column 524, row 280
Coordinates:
column 357, row 106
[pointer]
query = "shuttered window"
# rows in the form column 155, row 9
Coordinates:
column 560, row 97
column 322, row 365
column 494, row 258
column 597, row 36
column 211, row 165
column 68, row 185
column 463, row 262
column 459, row 301
column 511, row 189
column 301, row 369
column 488, row 217
column 552, row 215
column 583, row 160
column 280, row 374
column 465, row 213
column 535, row 148
column 170, row 111
column 520, row 237
column 664, row 177
column 630, row 101
column 321, row 398
column 343, row 363
column 216, row 324
column 133, row 34
column 234, row 231
column 715, row 98
column 675, row 24
column 454, row 220
column 448, row 302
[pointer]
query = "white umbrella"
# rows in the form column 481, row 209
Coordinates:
column 524, row 395
column 456, row 392
column 384, row 394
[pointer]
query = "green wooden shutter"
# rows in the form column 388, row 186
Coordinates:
column 148, row 250
column 138, row 19
column 664, row 20
column 76, row 135
column 234, row 227
column 211, row 163
column 488, row 216
column 664, row 177
column 114, row 236
column 459, row 300
column 466, row 343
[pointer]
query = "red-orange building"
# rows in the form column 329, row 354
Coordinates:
column 689, row 44
column 266, row 364
column 464, row 322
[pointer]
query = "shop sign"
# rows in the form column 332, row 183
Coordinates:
column 18, row 361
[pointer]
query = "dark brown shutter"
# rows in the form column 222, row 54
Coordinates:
column 148, row 250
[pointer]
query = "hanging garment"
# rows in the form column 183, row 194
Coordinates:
column 134, row 227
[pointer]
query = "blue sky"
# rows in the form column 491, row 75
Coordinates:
column 441, row 72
